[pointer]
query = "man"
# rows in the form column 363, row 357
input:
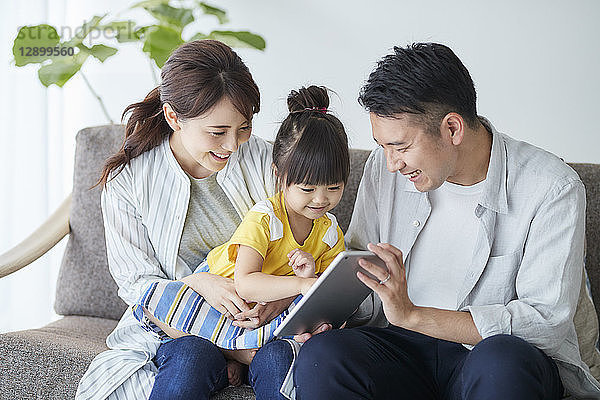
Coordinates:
column 483, row 239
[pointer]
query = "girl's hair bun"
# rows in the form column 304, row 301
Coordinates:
column 312, row 97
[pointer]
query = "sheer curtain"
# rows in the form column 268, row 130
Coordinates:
column 30, row 173
column 37, row 143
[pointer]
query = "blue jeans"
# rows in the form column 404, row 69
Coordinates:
column 194, row 368
column 394, row 363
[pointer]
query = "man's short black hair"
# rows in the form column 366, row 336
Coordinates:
column 424, row 79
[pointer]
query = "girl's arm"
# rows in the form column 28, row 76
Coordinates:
column 133, row 263
column 254, row 285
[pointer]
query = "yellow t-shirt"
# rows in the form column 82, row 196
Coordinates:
column 266, row 229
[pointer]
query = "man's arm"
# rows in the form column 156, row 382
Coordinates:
column 454, row 326
column 549, row 275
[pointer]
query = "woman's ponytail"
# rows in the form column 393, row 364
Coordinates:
column 146, row 128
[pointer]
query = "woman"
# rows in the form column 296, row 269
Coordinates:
column 188, row 171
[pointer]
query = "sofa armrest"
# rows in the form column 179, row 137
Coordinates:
column 39, row 242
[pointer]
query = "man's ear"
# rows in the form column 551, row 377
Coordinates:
column 171, row 117
column 453, row 125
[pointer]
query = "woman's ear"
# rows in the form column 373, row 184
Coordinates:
column 274, row 168
column 171, row 117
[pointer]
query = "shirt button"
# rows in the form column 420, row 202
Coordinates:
column 416, row 223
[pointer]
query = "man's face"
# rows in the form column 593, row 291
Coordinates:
column 426, row 160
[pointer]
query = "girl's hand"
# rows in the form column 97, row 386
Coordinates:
column 302, row 263
column 306, row 284
column 218, row 291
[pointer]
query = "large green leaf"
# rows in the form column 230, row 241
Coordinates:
column 84, row 30
column 102, row 52
column 168, row 15
column 212, row 10
column 142, row 31
column 239, row 39
column 38, row 36
column 159, row 43
column 124, row 31
column 60, row 70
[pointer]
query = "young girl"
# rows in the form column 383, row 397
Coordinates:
column 283, row 242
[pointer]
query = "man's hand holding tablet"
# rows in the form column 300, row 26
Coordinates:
column 332, row 299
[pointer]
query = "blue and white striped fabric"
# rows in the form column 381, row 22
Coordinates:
column 179, row 306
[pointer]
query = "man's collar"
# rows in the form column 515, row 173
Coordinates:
column 494, row 196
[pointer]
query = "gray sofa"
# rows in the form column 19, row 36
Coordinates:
column 47, row 363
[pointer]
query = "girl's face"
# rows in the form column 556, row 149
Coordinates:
column 203, row 145
column 312, row 201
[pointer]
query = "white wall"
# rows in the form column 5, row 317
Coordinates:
column 535, row 65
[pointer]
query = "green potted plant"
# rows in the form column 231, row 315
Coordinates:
column 60, row 59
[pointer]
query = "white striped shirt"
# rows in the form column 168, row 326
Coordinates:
column 144, row 211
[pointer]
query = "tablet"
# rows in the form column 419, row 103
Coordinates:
column 333, row 298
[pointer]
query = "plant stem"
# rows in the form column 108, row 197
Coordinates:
column 97, row 98
column 153, row 72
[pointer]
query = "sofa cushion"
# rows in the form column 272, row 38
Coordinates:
column 85, row 286
column 590, row 175
column 243, row 392
column 47, row 363
column 586, row 315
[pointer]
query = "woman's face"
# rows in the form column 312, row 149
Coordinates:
column 203, row 145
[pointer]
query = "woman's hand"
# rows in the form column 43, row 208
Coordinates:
column 302, row 263
column 261, row 313
column 218, row 291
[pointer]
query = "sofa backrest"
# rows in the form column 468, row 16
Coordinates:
column 590, row 175
column 85, row 286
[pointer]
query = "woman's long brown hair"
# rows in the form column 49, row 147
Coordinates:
column 195, row 77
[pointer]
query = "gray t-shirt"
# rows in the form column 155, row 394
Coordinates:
column 210, row 220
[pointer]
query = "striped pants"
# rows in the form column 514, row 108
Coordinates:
column 180, row 307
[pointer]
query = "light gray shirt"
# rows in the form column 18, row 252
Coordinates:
column 526, row 269
column 210, row 220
